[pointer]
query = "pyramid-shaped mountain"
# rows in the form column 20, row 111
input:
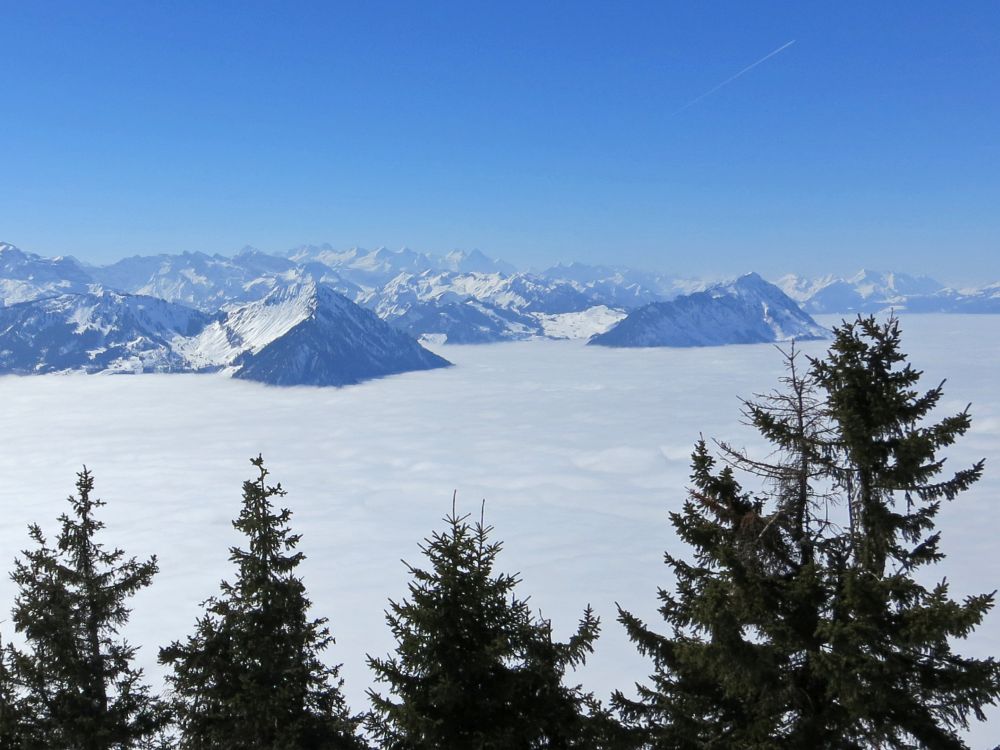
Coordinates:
column 307, row 334
column 326, row 340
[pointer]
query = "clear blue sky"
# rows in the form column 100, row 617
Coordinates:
column 538, row 132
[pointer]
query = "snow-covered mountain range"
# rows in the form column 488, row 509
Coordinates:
column 25, row 276
column 872, row 291
column 300, row 334
column 461, row 297
column 105, row 331
column 209, row 282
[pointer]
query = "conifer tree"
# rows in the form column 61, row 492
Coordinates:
column 473, row 668
column 889, row 639
column 79, row 688
column 12, row 724
column 799, row 622
column 251, row 675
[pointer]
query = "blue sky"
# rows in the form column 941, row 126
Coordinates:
column 537, row 132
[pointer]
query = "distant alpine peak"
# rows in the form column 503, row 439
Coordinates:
column 248, row 251
column 871, row 291
column 750, row 280
column 749, row 283
column 475, row 261
column 465, row 293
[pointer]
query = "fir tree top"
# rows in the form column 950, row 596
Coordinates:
column 473, row 667
column 80, row 687
column 799, row 622
column 251, row 675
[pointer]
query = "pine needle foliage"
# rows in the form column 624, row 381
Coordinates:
column 251, row 675
column 76, row 686
column 473, row 667
column 799, row 621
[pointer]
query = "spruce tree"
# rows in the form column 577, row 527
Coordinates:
column 251, row 674
column 889, row 638
column 12, row 720
column 799, row 622
column 473, row 667
column 76, row 685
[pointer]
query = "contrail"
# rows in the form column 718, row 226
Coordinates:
column 732, row 78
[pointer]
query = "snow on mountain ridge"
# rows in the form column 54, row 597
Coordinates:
column 334, row 342
column 251, row 327
column 865, row 291
column 474, row 261
column 744, row 311
column 521, row 292
column 26, row 276
column 95, row 332
column 299, row 334
column 467, row 294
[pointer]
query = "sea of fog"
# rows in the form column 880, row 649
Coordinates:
column 579, row 453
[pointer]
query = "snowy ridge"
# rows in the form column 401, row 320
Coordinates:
column 475, row 307
column 475, row 262
column 305, row 334
column 96, row 332
column 325, row 339
column 365, row 268
column 621, row 287
column 25, row 276
column 467, row 322
column 520, row 292
column 459, row 297
column 874, row 291
column 250, row 328
column 210, row 282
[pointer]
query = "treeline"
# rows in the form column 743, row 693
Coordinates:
column 796, row 620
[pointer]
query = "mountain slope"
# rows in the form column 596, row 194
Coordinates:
column 866, row 291
column 96, row 332
column 474, row 307
column 366, row 268
column 307, row 334
column 621, row 287
column 747, row 311
column 465, row 322
column 26, row 276
column 210, row 282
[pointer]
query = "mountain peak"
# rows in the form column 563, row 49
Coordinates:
column 751, row 279
column 249, row 251
column 475, row 261
column 748, row 310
